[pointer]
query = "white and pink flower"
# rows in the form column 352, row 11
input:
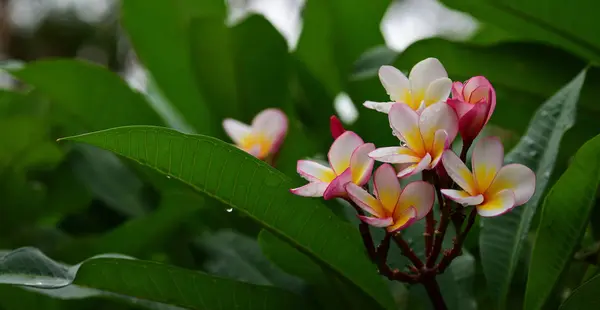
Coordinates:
column 263, row 137
column 492, row 188
column 392, row 207
column 348, row 163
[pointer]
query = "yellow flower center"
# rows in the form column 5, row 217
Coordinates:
column 255, row 141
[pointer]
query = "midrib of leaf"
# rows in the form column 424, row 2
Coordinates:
column 277, row 177
column 525, row 153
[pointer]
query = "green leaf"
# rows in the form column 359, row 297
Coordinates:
column 159, row 32
column 86, row 96
column 179, row 287
column 564, row 218
column 584, row 297
column 251, row 186
column 537, row 21
column 230, row 254
column 501, row 238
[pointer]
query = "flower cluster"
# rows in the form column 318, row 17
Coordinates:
column 426, row 121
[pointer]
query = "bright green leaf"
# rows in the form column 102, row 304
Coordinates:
column 501, row 238
column 565, row 215
column 251, row 186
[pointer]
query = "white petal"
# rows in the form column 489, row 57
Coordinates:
column 458, row 172
column 463, row 197
column 394, row 155
column 313, row 171
column 435, row 117
column 419, row 195
column 387, row 187
column 377, row 222
column 361, row 165
column 341, row 151
column 364, row 200
column 438, row 91
column 425, row 72
column 394, row 82
column 416, row 168
column 273, row 124
column 498, row 204
column 312, row 189
column 379, row 106
column 487, row 159
column 405, row 123
column 517, row 178
column 236, row 130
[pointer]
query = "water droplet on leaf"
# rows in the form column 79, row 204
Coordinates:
column 229, row 210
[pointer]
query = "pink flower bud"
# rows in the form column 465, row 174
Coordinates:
column 474, row 102
column 336, row 127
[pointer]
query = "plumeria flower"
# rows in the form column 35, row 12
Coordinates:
column 336, row 127
column 392, row 207
column 426, row 136
column 263, row 137
column 349, row 163
column 427, row 83
column 474, row 102
column 491, row 188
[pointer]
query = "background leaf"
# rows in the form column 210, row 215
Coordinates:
column 584, row 296
column 565, row 215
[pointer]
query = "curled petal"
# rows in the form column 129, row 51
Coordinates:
column 487, row 159
column 377, row 222
column 312, row 189
column 379, row 106
column 471, row 124
column 517, row 178
column 394, row 82
column 336, row 127
column 425, row 72
column 460, row 107
column 341, row 150
column 476, row 89
column 395, row 155
column 440, row 143
column 497, row 204
column 457, row 88
column 458, row 172
column 416, row 168
column 435, row 117
column 463, row 197
column 403, row 220
column 336, row 187
column 438, row 91
column 272, row 124
column 313, row 171
column 419, row 195
column 405, row 123
column 387, row 187
column 364, row 200
column 236, row 130
column 361, row 164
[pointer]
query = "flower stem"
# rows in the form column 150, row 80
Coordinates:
column 434, row 293
column 384, row 269
column 429, row 219
column 440, row 232
column 365, row 233
column 465, row 150
column 456, row 250
column 407, row 250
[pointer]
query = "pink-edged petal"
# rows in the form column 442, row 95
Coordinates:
column 435, row 117
column 257, row 151
column 377, row 222
column 364, row 200
column 425, row 72
column 394, row 82
column 405, row 123
column 395, row 155
column 387, row 187
column 460, row 107
column 458, row 172
column 471, row 124
column 313, row 171
column 336, row 127
column 497, row 204
column 236, row 130
column 341, row 151
column 438, row 91
column 336, row 187
column 487, row 159
column 419, row 195
column 463, row 197
column 361, row 165
column 272, row 123
column 517, row 178
column 476, row 89
column 457, row 88
column 312, row 189
column 383, row 107
column 416, row 168
column 440, row 144
column 403, row 220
